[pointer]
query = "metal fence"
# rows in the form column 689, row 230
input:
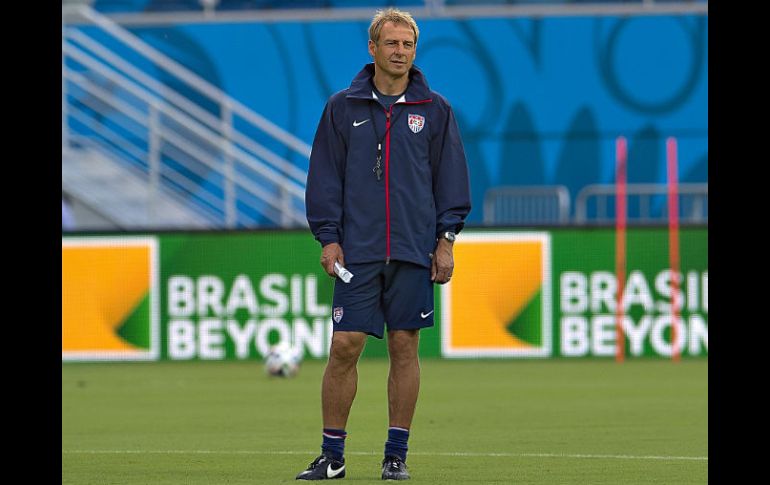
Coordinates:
column 594, row 204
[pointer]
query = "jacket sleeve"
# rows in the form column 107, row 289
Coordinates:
column 325, row 180
column 451, row 185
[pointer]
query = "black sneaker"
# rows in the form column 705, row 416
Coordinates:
column 394, row 468
column 324, row 467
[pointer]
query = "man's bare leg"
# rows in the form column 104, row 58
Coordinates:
column 403, row 387
column 340, row 379
column 404, row 376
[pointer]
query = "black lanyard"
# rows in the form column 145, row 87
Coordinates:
column 378, row 165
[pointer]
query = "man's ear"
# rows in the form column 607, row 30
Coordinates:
column 372, row 47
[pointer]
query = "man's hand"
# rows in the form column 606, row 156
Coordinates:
column 331, row 253
column 443, row 263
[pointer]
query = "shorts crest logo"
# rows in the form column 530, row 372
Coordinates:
column 416, row 122
column 337, row 314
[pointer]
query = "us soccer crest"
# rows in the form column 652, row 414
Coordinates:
column 416, row 123
column 337, row 314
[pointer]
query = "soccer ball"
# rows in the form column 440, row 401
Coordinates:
column 283, row 360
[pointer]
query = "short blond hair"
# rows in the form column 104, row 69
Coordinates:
column 391, row 15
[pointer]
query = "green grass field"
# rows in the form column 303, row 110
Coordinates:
column 522, row 422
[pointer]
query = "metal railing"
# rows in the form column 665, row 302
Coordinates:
column 646, row 203
column 186, row 146
column 526, row 205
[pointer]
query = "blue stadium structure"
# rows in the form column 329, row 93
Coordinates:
column 205, row 110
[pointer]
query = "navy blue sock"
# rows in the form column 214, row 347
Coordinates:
column 334, row 443
column 396, row 444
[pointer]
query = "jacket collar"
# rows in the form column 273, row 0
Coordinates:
column 416, row 90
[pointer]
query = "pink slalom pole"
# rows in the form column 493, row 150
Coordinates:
column 621, row 153
column 673, row 240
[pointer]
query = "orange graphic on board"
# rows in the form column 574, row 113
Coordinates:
column 497, row 303
column 510, row 273
column 101, row 286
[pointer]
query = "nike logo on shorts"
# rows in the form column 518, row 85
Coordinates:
column 359, row 123
column 425, row 315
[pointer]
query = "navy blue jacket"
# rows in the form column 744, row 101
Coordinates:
column 423, row 190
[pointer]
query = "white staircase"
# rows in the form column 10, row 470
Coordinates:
column 155, row 158
column 123, row 196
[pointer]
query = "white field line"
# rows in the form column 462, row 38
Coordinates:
column 412, row 453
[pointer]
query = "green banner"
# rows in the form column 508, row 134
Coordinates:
column 514, row 294
column 231, row 296
column 554, row 294
column 584, row 261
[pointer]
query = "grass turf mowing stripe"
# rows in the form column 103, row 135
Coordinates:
column 365, row 453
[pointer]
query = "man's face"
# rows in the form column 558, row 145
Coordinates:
column 394, row 52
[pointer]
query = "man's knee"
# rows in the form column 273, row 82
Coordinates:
column 403, row 345
column 347, row 346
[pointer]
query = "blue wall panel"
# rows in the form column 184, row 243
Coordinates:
column 539, row 101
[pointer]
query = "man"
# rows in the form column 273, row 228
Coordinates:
column 387, row 191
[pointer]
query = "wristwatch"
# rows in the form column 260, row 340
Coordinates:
column 449, row 236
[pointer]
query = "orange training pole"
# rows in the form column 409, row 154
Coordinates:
column 620, row 242
column 673, row 241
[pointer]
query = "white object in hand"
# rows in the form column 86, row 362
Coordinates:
column 344, row 274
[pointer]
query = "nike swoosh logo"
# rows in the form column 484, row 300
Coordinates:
column 331, row 472
column 359, row 123
column 425, row 315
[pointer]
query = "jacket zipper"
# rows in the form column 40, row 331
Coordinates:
column 387, row 184
column 387, row 174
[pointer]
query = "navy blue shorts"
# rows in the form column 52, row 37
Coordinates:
column 398, row 293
